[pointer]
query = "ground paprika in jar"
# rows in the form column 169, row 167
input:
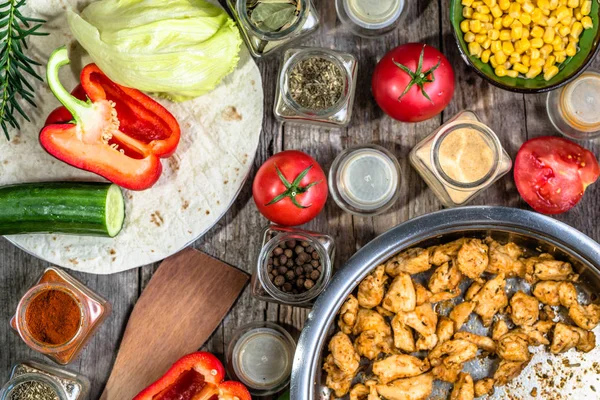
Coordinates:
column 53, row 317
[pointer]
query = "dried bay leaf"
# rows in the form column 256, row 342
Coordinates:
column 272, row 16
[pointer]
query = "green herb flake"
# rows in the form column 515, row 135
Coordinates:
column 316, row 83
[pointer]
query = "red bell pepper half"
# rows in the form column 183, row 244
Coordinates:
column 198, row 376
column 113, row 131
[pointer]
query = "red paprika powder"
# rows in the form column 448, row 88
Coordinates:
column 53, row 317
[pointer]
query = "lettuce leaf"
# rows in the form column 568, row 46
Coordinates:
column 178, row 49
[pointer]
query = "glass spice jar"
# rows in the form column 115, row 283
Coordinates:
column 32, row 387
column 260, row 41
column 371, row 18
column 58, row 315
column 67, row 385
column 316, row 87
column 460, row 159
column 293, row 290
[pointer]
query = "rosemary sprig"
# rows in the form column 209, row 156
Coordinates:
column 15, row 67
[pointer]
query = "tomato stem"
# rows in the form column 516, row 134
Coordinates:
column 293, row 189
column 419, row 77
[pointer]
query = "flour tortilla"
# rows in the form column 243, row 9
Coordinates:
column 219, row 136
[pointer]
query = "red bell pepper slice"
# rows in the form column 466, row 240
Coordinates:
column 118, row 132
column 197, row 376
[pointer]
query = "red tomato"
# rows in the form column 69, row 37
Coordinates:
column 552, row 173
column 413, row 82
column 290, row 188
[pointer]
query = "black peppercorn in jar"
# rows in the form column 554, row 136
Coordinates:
column 305, row 273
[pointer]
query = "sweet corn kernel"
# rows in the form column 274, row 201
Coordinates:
column 508, row 47
column 587, row 23
column 576, row 29
column 578, row 16
column 469, row 37
column 500, row 71
column 548, row 35
column 526, row 60
column 533, row 72
column 482, row 9
column 550, row 61
column 516, row 33
column 537, row 43
column 505, row 34
column 464, row 26
column 475, row 49
column 500, row 57
column 537, row 31
column 525, row 18
column 504, row 4
column 490, row 3
column 514, row 10
column 467, row 12
column 467, row 3
column 550, row 72
column 562, row 12
column 486, row 44
column 564, row 31
column 534, row 53
column 536, row 15
column 496, row 11
column 485, row 56
column 480, row 38
column 496, row 46
column 512, row 73
column 552, row 22
column 475, row 26
column 553, row 4
column 573, row 3
column 493, row 34
column 586, row 7
column 520, row 68
column 543, row 4
column 493, row 61
column 537, row 63
column 546, row 50
column 571, row 49
column 528, row 7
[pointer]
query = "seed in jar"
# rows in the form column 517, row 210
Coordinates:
column 299, row 249
column 282, row 270
column 289, row 263
column 270, row 261
column 308, row 284
column 290, row 275
column 282, row 259
column 300, row 282
column 315, row 263
column 271, row 277
column 310, row 249
column 275, row 272
column 308, row 268
column 287, row 287
column 288, row 253
column 278, row 251
column 315, row 275
column 304, row 243
column 299, row 270
column 276, row 262
column 315, row 255
column 279, row 280
column 290, row 244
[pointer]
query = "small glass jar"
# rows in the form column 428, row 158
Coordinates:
column 262, row 286
column 286, row 109
column 260, row 355
column 371, row 18
column 261, row 42
column 425, row 158
column 66, row 384
column 365, row 180
column 15, row 384
column 574, row 110
column 93, row 308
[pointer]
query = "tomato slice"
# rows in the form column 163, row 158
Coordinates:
column 552, row 173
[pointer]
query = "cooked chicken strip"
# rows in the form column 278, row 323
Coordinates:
column 547, row 292
column 460, row 314
column 565, row 338
column 399, row 366
column 344, row 356
column 336, row 380
column 484, row 386
column 472, row 258
column 453, row 352
column 369, row 320
column 371, row 289
column 507, row 371
column 359, row 392
column 423, row 319
column 514, row 346
column 491, row 299
column 403, row 335
column 426, row 342
column 445, row 278
column 417, row 388
column 464, row 388
column 536, row 333
column 422, row 294
column 401, row 294
column 384, row 312
column 586, row 317
column 546, row 268
column 505, row 259
column 547, row 313
column 445, row 329
column 483, row 342
column 499, row 329
column 371, row 344
column 348, row 314
column 587, row 340
column 473, row 290
column 445, row 252
column 412, row 261
column 446, row 373
column 567, row 294
column 425, row 296
column 525, row 309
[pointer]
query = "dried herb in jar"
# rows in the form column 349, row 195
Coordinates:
column 316, row 83
column 32, row 390
column 273, row 15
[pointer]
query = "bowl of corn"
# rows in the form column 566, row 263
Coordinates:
column 527, row 46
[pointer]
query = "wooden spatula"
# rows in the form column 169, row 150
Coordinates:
column 183, row 304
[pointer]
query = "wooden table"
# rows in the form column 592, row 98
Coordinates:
column 235, row 239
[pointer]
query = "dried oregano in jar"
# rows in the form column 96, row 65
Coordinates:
column 32, row 390
column 316, row 83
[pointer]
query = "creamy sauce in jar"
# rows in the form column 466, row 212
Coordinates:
column 465, row 155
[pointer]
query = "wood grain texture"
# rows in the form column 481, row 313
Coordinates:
column 182, row 305
column 235, row 239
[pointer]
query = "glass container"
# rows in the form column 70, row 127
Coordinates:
column 261, row 355
column 425, row 158
column 94, row 310
column 273, row 235
column 286, row 109
column 365, row 180
column 574, row 110
column 68, row 385
column 370, row 18
column 261, row 42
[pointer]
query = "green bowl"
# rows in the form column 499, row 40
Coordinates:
column 570, row 69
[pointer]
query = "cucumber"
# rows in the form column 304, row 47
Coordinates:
column 81, row 208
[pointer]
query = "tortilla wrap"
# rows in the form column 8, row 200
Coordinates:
column 219, row 136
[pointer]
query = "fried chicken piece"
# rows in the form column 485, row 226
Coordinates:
column 416, row 388
column 505, row 259
column 536, row 333
column 587, row 340
column 424, row 321
column 336, row 380
column 586, row 317
column 445, row 278
column 371, row 289
column 401, row 294
column 445, row 329
column 411, row 261
column 499, row 329
column 371, row 343
column 472, row 258
column 567, row 293
column 453, row 352
column 525, row 309
column 473, row 290
column 484, row 386
column 447, row 373
column 483, row 342
column 425, row 296
column 491, row 299
column 426, row 342
column 461, row 313
column 445, row 252
column 369, row 320
column 359, row 392
column 344, row 356
column 507, row 371
column 546, row 268
column 384, row 312
column 422, row 294
column 514, row 346
column 399, row 366
column 565, row 338
column 403, row 335
column 547, row 292
column 547, row 313
column 463, row 388
column 348, row 314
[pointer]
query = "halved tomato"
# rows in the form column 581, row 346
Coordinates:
column 552, row 173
